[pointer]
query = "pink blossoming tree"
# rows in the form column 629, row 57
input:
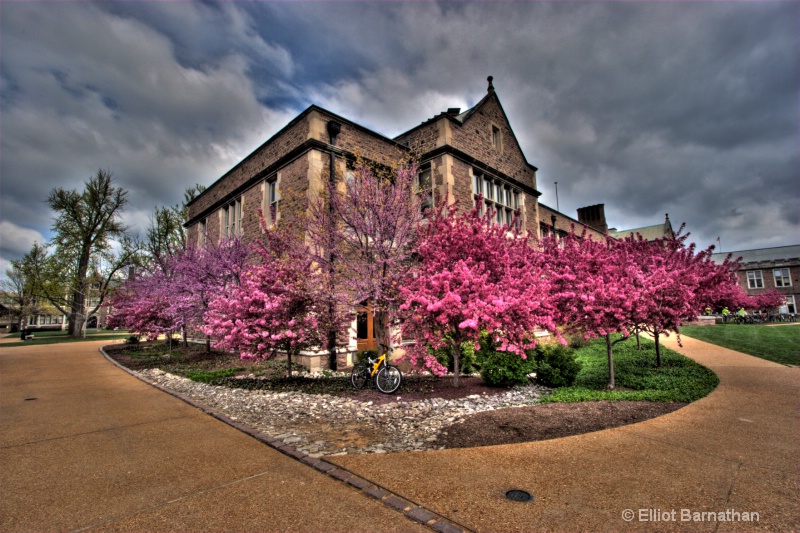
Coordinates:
column 677, row 283
column 199, row 275
column 472, row 276
column 279, row 307
column 174, row 295
column 362, row 232
column 595, row 288
column 141, row 305
column 767, row 301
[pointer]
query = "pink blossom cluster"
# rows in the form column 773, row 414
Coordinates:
column 280, row 305
column 471, row 276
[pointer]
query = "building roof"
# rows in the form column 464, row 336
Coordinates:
column 648, row 233
column 779, row 253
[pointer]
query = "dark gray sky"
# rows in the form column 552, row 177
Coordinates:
column 686, row 108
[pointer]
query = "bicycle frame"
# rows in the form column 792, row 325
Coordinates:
column 376, row 365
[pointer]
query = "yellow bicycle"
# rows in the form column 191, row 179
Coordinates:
column 387, row 377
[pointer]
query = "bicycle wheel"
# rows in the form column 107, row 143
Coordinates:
column 359, row 375
column 388, row 379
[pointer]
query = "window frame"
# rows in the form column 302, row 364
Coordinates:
column 270, row 203
column 782, row 281
column 496, row 138
column 498, row 195
column 202, row 232
column 424, row 188
column 791, row 304
column 232, row 218
column 756, row 281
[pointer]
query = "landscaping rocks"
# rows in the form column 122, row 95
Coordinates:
column 329, row 425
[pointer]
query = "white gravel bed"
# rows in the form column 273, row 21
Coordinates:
column 330, row 425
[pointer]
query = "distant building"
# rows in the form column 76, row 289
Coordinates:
column 648, row 233
column 769, row 268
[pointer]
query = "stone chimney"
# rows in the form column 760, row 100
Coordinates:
column 594, row 216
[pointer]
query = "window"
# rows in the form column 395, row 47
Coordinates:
column 497, row 139
column 497, row 195
column 754, row 280
column 272, row 198
column 232, row 219
column 544, row 230
column 202, row 231
column 782, row 278
column 425, row 189
column 790, row 307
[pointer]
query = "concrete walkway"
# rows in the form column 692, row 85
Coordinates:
column 84, row 445
column 737, row 449
column 99, row 449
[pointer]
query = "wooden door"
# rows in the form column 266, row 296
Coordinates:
column 365, row 329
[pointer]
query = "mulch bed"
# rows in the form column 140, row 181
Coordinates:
column 548, row 421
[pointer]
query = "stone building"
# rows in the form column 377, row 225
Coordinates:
column 649, row 233
column 462, row 154
column 769, row 268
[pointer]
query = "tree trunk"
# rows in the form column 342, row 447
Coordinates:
column 333, row 362
column 77, row 317
column 456, row 369
column 658, row 350
column 610, row 350
column 184, row 336
column 638, row 340
column 208, row 343
column 380, row 330
column 289, row 363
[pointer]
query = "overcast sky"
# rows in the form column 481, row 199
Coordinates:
column 683, row 108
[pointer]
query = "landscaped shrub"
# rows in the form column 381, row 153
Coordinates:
column 503, row 369
column 466, row 360
column 555, row 365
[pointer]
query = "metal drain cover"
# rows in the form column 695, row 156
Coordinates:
column 519, row 496
column 30, row 399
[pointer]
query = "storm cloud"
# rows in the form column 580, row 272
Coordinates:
column 689, row 109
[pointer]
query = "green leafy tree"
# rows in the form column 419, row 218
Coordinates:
column 90, row 248
column 166, row 235
column 19, row 291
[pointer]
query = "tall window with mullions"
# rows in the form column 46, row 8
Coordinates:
column 497, row 195
column 271, row 201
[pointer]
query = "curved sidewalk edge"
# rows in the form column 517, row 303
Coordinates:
column 411, row 509
column 726, row 462
column 84, row 446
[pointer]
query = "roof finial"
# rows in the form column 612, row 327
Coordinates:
column 666, row 215
column 491, row 87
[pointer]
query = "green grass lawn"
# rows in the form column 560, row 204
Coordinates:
column 780, row 344
column 58, row 337
column 636, row 376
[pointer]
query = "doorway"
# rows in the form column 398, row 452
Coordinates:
column 365, row 329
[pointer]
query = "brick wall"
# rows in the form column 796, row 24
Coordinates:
column 264, row 156
column 294, row 177
column 475, row 138
column 766, row 269
column 564, row 224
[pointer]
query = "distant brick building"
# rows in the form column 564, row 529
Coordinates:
column 462, row 155
column 770, row 268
